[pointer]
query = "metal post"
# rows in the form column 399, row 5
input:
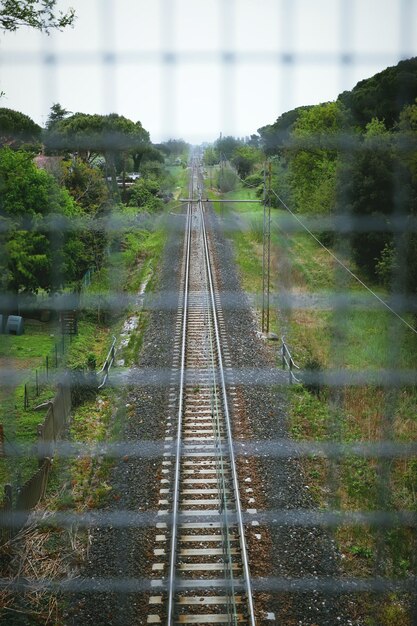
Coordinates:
column 268, row 270
column 263, row 252
column 47, row 367
column 37, row 382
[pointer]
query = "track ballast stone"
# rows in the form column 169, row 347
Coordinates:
column 122, row 554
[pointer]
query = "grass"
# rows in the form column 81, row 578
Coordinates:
column 24, row 353
column 356, row 338
column 84, row 482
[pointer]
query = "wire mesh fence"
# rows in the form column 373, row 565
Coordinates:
column 359, row 446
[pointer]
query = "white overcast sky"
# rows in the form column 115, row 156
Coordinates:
column 193, row 68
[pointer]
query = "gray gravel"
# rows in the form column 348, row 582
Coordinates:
column 127, row 553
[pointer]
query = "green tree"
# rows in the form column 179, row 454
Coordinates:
column 274, row 137
column 18, row 130
column 57, row 114
column 211, row 156
column 384, row 95
column 37, row 242
column 39, row 14
column 367, row 187
column 244, row 159
column 312, row 154
column 225, row 146
column 85, row 184
column 112, row 136
column 175, row 148
column 89, row 190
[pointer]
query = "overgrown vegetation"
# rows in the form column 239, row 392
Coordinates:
column 97, row 244
column 334, row 162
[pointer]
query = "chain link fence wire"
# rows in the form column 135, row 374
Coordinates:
column 220, row 59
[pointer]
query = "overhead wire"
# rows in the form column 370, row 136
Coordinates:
column 385, row 304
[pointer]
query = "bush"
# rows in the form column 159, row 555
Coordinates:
column 226, row 179
column 314, row 368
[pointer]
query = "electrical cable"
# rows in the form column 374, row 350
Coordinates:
column 385, row 304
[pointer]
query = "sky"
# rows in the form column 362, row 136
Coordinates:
column 196, row 68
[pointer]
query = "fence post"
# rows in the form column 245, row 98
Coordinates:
column 56, row 355
column 26, row 399
column 47, row 367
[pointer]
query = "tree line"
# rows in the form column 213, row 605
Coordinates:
column 58, row 187
column 352, row 160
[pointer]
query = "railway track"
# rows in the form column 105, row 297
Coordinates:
column 201, row 567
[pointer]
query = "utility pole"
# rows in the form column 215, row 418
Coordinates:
column 263, row 251
column 266, row 249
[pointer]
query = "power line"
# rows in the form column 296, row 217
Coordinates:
column 385, row 304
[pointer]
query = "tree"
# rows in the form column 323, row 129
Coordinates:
column 18, row 129
column 92, row 135
column 225, row 146
column 36, row 241
column 145, row 152
column 211, row 156
column 89, row 190
column 244, row 159
column 56, row 115
column 175, row 147
column 85, row 184
column 274, row 137
column 39, row 14
column 383, row 95
column 367, row 187
column 312, row 155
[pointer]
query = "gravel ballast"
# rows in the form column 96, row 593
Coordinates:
column 292, row 552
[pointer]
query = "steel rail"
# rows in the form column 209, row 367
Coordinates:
column 244, row 554
column 221, row 482
column 174, row 522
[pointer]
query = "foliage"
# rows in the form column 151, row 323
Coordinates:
column 85, row 184
column 226, row 179
column 312, row 155
column 38, row 14
column 356, row 157
column 112, row 136
column 254, row 180
column 274, row 137
column 57, row 114
column 244, row 159
column 225, row 146
column 174, row 148
column 211, row 156
column 377, row 181
column 37, row 253
column 384, row 95
column 142, row 153
column 89, row 190
column 17, row 129
column 144, row 195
